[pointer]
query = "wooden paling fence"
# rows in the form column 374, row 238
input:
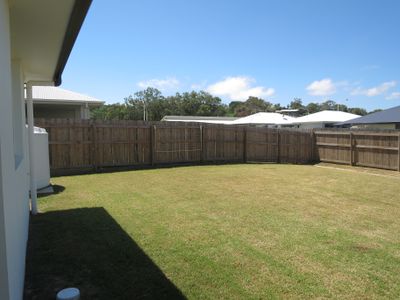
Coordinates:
column 377, row 149
column 85, row 145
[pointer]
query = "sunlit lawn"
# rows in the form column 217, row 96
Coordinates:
column 211, row 232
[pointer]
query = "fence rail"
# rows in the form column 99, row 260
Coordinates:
column 85, row 145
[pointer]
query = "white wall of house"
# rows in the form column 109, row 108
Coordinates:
column 311, row 125
column 65, row 111
column 14, row 205
column 376, row 126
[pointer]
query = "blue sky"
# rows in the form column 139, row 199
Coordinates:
column 311, row 49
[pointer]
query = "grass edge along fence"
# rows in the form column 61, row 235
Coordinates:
column 79, row 146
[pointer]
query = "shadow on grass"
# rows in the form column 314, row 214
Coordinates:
column 57, row 189
column 87, row 248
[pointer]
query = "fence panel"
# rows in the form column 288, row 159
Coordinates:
column 120, row 143
column 334, row 146
column 89, row 145
column 177, row 144
column 262, row 144
column 377, row 149
column 374, row 149
column 223, row 143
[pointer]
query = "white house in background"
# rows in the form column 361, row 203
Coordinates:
column 36, row 38
column 323, row 119
column 54, row 102
column 199, row 119
column 265, row 119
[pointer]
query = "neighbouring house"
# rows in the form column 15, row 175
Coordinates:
column 289, row 112
column 323, row 119
column 199, row 119
column 385, row 119
column 54, row 102
column 36, row 39
column 265, row 119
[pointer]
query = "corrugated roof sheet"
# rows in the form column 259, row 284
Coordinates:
column 51, row 93
column 391, row 115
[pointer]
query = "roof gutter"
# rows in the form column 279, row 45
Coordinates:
column 75, row 22
column 66, row 102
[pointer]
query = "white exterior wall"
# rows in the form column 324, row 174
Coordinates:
column 14, row 205
column 311, row 125
column 376, row 126
column 85, row 112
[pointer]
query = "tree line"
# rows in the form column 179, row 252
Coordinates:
column 151, row 105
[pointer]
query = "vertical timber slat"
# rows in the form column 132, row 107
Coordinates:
column 278, row 146
column 201, row 144
column 398, row 152
column 245, row 144
column 152, row 144
column 94, row 146
column 351, row 149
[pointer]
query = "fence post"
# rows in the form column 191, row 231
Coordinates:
column 278, row 145
column 201, row 144
column 297, row 146
column 245, row 144
column 351, row 149
column 94, row 145
column 152, row 144
column 398, row 152
column 312, row 140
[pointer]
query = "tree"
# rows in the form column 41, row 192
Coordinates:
column 110, row 112
column 328, row 105
column 313, row 107
column 146, row 101
column 201, row 104
column 297, row 103
column 375, row 110
column 251, row 106
column 197, row 104
column 357, row 111
column 157, row 106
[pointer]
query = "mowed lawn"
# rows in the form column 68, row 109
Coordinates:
column 219, row 232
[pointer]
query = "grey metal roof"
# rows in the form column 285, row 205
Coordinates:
column 391, row 115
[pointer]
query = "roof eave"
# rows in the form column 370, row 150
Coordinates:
column 75, row 22
column 66, row 101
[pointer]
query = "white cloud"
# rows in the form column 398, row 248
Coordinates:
column 375, row 91
column 394, row 95
column 161, row 84
column 323, row 87
column 239, row 88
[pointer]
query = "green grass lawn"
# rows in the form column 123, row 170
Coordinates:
column 219, row 232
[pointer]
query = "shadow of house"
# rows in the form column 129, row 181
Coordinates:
column 87, row 248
